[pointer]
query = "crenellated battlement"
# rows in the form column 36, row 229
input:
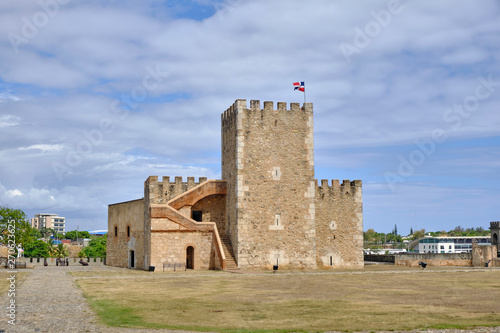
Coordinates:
column 163, row 191
column 495, row 225
column 255, row 105
column 346, row 186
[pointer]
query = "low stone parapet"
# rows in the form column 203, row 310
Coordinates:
column 71, row 261
column 434, row 259
column 380, row 257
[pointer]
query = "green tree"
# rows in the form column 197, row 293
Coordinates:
column 14, row 226
column 370, row 236
column 60, row 251
column 37, row 249
column 35, row 233
column 46, row 232
column 392, row 238
column 74, row 233
column 418, row 234
column 96, row 248
column 57, row 235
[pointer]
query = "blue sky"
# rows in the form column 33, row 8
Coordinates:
column 95, row 96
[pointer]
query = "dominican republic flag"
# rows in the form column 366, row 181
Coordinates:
column 300, row 86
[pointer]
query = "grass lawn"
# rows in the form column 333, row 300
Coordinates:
column 307, row 302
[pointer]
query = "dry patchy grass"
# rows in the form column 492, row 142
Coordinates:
column 318, row 302
column 124, row 272
column 4, row 283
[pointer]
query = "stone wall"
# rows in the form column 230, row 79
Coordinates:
column 482, row 254
column 391, row 258
column 162, row 192
column 231, row 151
column 339, row 224
column 169, row 240
column 156, row 192
column 213, row 208
column 434, row 259
column 171, row 247
column 121, row 216
column 274, row 184
column 73, row 261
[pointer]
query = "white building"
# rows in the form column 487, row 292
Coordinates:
column 52, row 221
column 459, row 244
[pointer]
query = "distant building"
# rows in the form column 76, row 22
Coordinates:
column 49, row 221
column 445, row 244
column 98, row 233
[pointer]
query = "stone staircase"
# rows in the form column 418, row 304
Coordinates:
column 228, row 252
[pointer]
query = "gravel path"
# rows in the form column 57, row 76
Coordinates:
column 49, row 301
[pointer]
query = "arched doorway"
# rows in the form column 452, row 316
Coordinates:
column 495, row 239
column 190, row 257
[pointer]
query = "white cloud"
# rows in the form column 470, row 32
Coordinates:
column 91, row 54
column 9, row 120
column 8, row 96
column 13, row 193
column 44, row 147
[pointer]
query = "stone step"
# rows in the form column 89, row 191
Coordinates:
column 228, row 252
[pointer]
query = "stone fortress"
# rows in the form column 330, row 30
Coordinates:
column 267, row 210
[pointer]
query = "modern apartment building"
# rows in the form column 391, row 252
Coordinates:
column 52, row 221
column 459, row 244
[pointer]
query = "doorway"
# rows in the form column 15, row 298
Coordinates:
column 190, row 257
column 132, row 259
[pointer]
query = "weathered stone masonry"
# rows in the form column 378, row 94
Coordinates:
column 268, row 209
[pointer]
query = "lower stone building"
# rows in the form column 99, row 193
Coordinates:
column 268, row 209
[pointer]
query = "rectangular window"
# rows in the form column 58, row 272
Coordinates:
column 128, row 231
column 116, row 231
column 198, row 215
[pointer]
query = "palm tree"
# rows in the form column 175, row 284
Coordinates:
column 46, row 232
column 60, row 251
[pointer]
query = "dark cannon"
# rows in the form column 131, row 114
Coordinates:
column 62, row 262
column 423, row 264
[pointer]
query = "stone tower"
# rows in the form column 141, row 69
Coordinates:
column 495, row 232
column 268, row 209
column 268, row 164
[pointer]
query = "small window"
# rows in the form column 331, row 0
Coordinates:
column 128, row 231
column 277, row 219
column 198, row 215
column 116, row 231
